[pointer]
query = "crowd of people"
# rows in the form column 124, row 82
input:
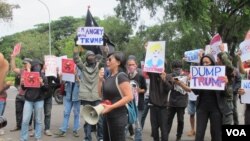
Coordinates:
column 164, row 94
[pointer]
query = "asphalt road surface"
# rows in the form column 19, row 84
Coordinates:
column 57, row 118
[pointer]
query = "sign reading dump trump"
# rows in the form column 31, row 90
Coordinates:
column 207, row 77
column 90, row 36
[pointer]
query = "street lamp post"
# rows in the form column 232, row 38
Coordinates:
column 49, row 25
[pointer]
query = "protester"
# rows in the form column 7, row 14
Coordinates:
column 191, row 111
column 241, row 91
column 19, row 101
column 71, row 100
column 139, row 87
column 223, row 58
column 146, row 95
column 178, row 98
column 211, row 105
column 34, row 100
column 88, row 93
column 158, row 94
column 115, row 115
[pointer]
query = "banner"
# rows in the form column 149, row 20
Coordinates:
column 245, row 50
column 245, row 98
column 192, row 56
column 31, row 79
column 155, row 57
column 90, row 36
column 207, row 77
column 17, row 49
column 50, row 65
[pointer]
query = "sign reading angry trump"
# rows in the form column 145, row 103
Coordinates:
column 90, row 36
column 207, row 77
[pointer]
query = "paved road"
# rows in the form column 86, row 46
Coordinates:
column 57, row 116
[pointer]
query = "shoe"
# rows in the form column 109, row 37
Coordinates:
column 48, row 133
column 60, row 133
column 32, row 133
column 132, row 137
column 75, row 134
column 1, row 132
column 178, row 139
column 191, row 133
column 38, row 140
column 15, row 129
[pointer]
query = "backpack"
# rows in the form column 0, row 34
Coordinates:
column 131, row 106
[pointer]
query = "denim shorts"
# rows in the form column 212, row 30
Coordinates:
column 191, row 107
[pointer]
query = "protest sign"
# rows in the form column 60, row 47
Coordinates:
column 192, row 56
column 207, row 77
column 155, row 57
column 90, row 36
column 31, row 79
column 245, row 98
column 50, row 65
column 245, row 50
column 17, row 49
column 68, row 70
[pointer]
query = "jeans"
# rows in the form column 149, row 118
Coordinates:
column 27, row 112
column 138, row 129
column 145, row 112
column 68, row 104
column 2, row 107
column 47, row 112
column 88, row 128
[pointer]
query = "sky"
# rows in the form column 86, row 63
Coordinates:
column 32, row 12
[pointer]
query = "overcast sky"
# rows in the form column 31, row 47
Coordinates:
column 32, row 12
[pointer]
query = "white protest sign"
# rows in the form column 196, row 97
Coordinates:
column 90, row 36
column 215, row 49
column 155, row 57
column 245, row 50
column 245, row 98
column 50, row 65
column 59, row 63
column 207, row 77
column 192, row 56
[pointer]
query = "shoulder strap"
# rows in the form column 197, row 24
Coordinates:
column 117, row 85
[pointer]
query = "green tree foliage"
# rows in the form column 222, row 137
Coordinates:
column 196, row 18
column 6, row 10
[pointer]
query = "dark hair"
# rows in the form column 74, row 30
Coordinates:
column 176, row 64
column 119, row 56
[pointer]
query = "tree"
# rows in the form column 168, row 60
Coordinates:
column 6, row 10
column 202, row 18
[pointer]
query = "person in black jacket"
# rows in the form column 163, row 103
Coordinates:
column 34, row 100
column 178, row 97
column 211, row 105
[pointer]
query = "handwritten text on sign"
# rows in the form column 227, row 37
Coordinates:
column 207, row 77
column 245, row 98
column 192, row 56
column 90, row 36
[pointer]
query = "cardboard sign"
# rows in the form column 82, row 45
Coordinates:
column 68, row 66
column 50, row 63
column 90, row 35
column 207, row 77
column 215, row 49
column 31, row 79
column 192, row 56
column 17, row 49
column 245, row 50
column 245, row 98
column 155, row 57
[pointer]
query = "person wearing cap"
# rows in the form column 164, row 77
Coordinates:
column 34, row 101
column 19, row 101
column 88, row 93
